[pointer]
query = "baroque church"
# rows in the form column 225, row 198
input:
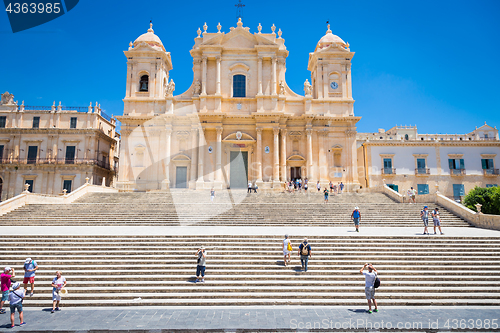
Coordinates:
column 239, row 121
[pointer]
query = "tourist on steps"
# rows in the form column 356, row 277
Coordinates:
column 16, row 297
column 370, row 277
column 30, row 266
column 341, row 188
column 305, row 253
column 212, row 194
column 318, row 186
column 325, row 192
column 7, row 274
column 249, row 190
column 356, row 217
column 437, row 220
column 287, row 249
column 201, row 265
column 424, row 215
column 58, row 283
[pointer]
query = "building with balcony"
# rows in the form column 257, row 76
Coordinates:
column 451, row 163
column 54, row 148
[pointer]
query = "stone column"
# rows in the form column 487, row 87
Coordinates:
column 204, row 77
column 283, row 155
column 274, row 76
column 218, row 165
column 166, row 177
column 201, row 147
column 194, row 140
column 259, row 70
column 276, row 171
column 217, row 82
column 322, row 158
column 259, row 154
column 310, row 174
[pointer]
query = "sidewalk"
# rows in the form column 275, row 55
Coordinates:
column 257, row 319
column 239, row 231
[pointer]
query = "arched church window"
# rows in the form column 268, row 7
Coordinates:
column 239, row 85
column 143, row 84
column 406, row 136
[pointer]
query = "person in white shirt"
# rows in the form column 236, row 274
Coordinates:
column 286, row 251
column 437, row 220
column 58, row 283
column 370, row 277
column 16, row 297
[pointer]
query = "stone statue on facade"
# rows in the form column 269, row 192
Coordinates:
column 282, row 88
column 170, row 88
column 197, row 87
column 7, row 99
column 307, row 88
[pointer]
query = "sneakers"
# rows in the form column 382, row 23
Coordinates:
column 369, row 311
column 376, row 310
column 31, row 294
column 434, row 233
column 442, row 233
column 12, row 326
column 52, row 311
column 203, row 280
column 23, row 323
column 197, row 280
column 357, row 230
column 57, row 309
column 2, row 311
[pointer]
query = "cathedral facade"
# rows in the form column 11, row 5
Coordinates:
column 239, row 121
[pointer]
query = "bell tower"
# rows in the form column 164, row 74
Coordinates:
column 330, row 66
column 148, row 66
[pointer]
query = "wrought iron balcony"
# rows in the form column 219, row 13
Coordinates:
column 58, row 161
column 457, row 172
column 389, row 171
column 422, row 171
column 491, row 172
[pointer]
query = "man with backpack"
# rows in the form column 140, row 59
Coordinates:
column 304, row 253
column 16, row 297
column 370, row 279
column 356, row 216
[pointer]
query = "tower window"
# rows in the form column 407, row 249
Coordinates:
column 36, row 122
column 239, row 86
column 143, row 84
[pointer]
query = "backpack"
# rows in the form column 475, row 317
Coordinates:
column 304, row 251
column 376, row 284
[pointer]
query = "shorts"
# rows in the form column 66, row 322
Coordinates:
column 426, row 222
column 356, row 221
column 5, row 296
column 437, row 223
column 18, row 306
column 56, row 296
column 286, row 252
column 326, row 197
column 200, row 270
column 413, row 197
column 29, row 280
column 370, row 292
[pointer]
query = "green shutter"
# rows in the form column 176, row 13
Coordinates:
column 483, row 164
column 450, row 162
column 462, row 164
column 490, row 164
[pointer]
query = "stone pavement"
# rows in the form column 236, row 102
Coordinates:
column 257, row 319
column 238, row 231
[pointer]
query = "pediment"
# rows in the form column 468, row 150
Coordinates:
column 241, row 41
column 239, row 38
column 485, row 128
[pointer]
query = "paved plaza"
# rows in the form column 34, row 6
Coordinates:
column 258, row 319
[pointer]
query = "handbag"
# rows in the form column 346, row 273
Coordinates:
column 289, row 247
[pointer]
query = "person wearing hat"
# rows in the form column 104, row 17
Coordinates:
column 304, row 253
column 287, row 249
column 58, row 283
column 356, row 217
column 200, row 268
column 30, row 266
column 7, row 274
column 16, row 297
column 424, row 215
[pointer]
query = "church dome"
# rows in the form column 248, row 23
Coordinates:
column 151, row 39
column 330, row 39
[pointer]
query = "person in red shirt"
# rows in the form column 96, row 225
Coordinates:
column 7, row 274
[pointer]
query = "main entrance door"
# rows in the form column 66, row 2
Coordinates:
column 295, row 173
column 238, row 169
column 181, row 177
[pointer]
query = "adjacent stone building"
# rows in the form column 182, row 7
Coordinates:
column 54, row 148
column 239, row 121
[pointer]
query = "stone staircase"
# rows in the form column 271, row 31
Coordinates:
column 248, row 270
column 230, row 208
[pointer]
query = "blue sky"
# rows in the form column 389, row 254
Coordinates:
column 433, row 64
